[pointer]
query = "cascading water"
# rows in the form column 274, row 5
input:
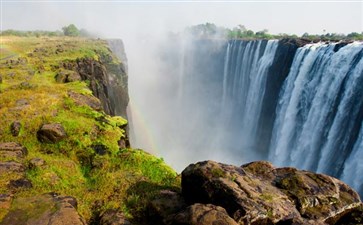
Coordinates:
column 320, row 110
column 292, row 103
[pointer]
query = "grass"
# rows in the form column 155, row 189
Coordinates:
column 121, row 179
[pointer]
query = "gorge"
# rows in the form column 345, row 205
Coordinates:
column 289, row 101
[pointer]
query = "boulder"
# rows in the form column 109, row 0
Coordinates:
column 113, row 217
column 36, row 163
column 20, row 183
column 51, row 133
column 12, row 149
column 259, row 193
column 200, row 214
column 43, row 210
column 85, row 100
column 15, row 128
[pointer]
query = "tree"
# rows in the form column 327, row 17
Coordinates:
column 71, row 30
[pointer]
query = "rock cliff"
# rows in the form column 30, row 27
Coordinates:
column 258, row 193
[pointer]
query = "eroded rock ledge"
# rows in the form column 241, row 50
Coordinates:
column 257, row 193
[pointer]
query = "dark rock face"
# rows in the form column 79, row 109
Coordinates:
column 15, row 128
column 12, row 149
column 108, row 82
column 258, row 193
column 85, row 100
column 43, row 210
column 113, row 217
column 51, row 133
column 166, row 204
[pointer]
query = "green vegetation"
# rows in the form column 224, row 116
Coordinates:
column 117, row 178
column 209, row 30
column 71, row 30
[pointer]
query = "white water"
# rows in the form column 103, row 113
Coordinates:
column 318, row 112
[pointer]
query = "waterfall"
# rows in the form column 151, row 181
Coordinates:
column 320, row 110
column 225, row 72
column 353, row 167
column 285, row 101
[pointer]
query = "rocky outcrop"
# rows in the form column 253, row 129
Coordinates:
column 66, row 76
column 51, row 133
column 85, row 100
column 107, row 80
column 43, row 210
column 12, row 149
column 11, row 167
column 258, row 194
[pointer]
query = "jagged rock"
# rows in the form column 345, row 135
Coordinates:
column 15, row 128
column 164, row 205
column 113, row 217
column 85, row 100
column 12, row 149
column 66, row 76
column 43, row 210
column 11, row 167
column 258, row 193
column 199, row 214
column 5, row 201
column 20, row 183
column 36, row 163
column 51, row 133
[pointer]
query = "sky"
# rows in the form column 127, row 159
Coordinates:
column 126, row 18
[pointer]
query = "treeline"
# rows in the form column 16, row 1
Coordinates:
column 70, row 30
column 210, row 30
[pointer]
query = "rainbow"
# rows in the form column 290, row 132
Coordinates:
column 141, row 129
